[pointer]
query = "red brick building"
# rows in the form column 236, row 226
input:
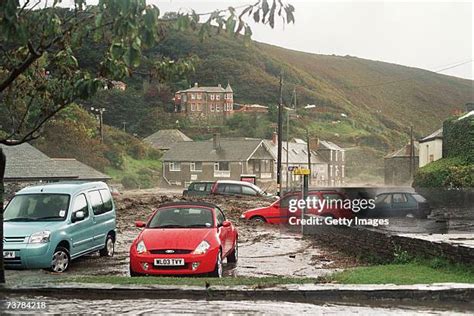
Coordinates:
column 205, row 102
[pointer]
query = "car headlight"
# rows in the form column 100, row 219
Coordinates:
column 242, row 216
column 202, row 248
column 141, row 248
column 40, row 237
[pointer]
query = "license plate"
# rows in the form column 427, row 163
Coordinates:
column 169, row 262
column 8, row 254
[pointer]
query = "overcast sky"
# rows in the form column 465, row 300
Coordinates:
column 426, row 34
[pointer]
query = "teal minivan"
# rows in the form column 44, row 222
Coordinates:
column 47, row 226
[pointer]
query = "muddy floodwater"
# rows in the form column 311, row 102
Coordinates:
column 188, row 307
column 264, row 250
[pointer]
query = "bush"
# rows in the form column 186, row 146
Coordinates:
column 115, row 157
column 154, row 154
column 446, row 172
column 130, row 182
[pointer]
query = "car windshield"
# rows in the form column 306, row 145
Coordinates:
column 182, row 217
column 37, row 207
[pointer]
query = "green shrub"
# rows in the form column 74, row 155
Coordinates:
column 130, row 182
column 401, row 256
column 154, row 154
column 115, row 157
column 446, row 172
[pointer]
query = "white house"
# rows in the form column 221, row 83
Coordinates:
column 431, row 148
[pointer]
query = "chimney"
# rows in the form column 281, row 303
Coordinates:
column 216, row 141
column 196, row 85
column 314, row 143
column 275, row 138
column 219, row 85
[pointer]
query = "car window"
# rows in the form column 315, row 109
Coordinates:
column 419, row 198
column 248, row 190
column 399, row 198
column 179, row 217
column 220, row 217
column 332, row 196
column 232, row 189
column 221, row 187
column 383, row 199
column 80, row 204
column 96, row 202
column 37, row 207
column 285, row 201
column 201, row 187
column 107, row 200
column 209, row 187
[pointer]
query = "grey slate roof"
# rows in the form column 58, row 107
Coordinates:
column 24, row 162
column 438, row 134
column 404, row 151
column 329, row 145
column 298, row 153
column 166, row 138
column 83, row 171
column 204, row 89
column 239, row 149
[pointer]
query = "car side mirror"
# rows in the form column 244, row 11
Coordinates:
column 78, row 216
column 226, row 224
column 140, row 224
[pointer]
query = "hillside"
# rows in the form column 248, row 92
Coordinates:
column 381, row 100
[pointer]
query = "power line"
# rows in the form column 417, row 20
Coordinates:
column 410, row 78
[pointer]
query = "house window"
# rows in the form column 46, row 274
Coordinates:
column 193, row 96
column 212, row 96
column 199, row 107
column 431, row 158
column 213, row 108
column 218, row 97
column 185, row 98
column 196, row 166
column 199, row 96
column 218, row 108
column 175, row 166
column 193, row 107
column 342, row 156
column 335, row 154
column 222, row 166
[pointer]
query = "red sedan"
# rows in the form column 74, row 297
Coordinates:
column 328, row 203
column 184, row 238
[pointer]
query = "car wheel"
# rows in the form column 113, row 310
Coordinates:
column 218, row 269
column 60, row 261
column 109, row 247
column 258, row 219
column 233, row 257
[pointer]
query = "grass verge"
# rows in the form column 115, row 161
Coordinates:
column 196, row 281
column 416, row 272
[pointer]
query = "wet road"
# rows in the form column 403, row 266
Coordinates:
column 188, row 307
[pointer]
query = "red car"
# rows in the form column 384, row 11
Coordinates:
column 184, row 238
column 279, row 211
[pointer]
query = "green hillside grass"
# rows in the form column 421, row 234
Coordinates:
column 380, row 100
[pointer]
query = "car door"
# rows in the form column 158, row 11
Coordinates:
column 383, row 205
column 400, row 205
column 222, row 231
column 81, row 232
column 97, row 219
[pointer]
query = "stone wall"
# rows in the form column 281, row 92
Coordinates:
column 381, row 246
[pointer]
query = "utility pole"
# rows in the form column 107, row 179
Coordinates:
column 280, row 127
column 124, row 124
column 309, row 155
column 99, row 114
column 412, row 154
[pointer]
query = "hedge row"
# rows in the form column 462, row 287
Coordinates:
column 447, row 172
